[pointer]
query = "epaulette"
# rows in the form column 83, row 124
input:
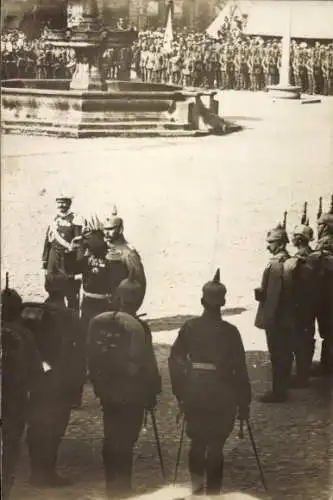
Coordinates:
column 131, row 247
column 78, row 220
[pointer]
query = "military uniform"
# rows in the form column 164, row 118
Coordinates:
column 305, row 288
column 276, row 313
column 210, row 380
column 59, row 260
column 122, row 258
column 323, row 253
column 20, row 366
column 125, row 377
column 57, row 333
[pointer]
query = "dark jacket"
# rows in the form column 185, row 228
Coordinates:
column 121, row 359
column 203, row 343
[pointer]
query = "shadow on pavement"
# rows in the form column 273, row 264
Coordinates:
column 175, row 322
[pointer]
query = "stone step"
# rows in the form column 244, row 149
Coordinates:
column 85, row 132
column 122, row 125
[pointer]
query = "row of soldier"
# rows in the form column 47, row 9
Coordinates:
column 47, row 347
column 295, row 293
column 194, row 60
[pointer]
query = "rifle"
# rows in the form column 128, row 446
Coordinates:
column 304, row 215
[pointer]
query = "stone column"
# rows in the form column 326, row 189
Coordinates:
column 284, row 90
column 285, row 61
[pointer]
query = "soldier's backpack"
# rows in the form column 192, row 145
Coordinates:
column 117, row 354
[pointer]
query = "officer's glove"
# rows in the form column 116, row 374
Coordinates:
column 76, row 242
column 259, row 295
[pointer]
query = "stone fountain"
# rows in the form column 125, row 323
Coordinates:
column 90, row 106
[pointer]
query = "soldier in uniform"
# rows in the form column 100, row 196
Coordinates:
column 20, row 366
column 59, row 258
column 124, row 373
column 323, row 253
column 210, row 380
column 276, row 313
column 57, row 333
column 305, row 295
column 122, row 257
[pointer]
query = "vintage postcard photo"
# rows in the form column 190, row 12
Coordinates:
column 167, row 249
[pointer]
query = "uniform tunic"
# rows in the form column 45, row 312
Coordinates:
column 59, row 260
column 124, row 393
column 210, row 396
column 55, row 390
column 276, row 314
column 20, row 366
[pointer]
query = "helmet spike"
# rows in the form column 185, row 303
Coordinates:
column 320, row 208
column 307, row 222
column 114, row 210
column 216, row 278
column 304, row 215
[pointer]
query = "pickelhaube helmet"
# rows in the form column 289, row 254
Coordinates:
column 11, row 302
column 129, row 292
column 303, row 229
column 278, row 233
column 213, row 292
column 113, row 221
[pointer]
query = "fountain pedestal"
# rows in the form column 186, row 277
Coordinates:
column 89, row 106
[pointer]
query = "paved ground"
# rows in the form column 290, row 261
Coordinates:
column 189, row 206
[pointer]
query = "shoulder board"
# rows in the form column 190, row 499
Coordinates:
column 131, row 247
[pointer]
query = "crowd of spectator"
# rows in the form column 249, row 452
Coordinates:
column 229, row 61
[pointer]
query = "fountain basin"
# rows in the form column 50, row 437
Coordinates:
column 126, row 108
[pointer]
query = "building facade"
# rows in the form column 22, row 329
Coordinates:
column 193, row 14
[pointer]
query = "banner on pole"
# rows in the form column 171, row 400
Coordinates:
column 168, row 34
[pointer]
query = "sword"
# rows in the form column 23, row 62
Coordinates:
column 179, row 452
column 158, row 444
column 262, row 477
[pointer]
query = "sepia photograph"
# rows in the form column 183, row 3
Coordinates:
column 166, row 249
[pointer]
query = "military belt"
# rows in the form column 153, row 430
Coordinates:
column 99, row 296
column 204, row 366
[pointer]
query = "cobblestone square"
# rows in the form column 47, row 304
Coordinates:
column 189, row 206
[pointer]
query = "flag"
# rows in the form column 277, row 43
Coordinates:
column 168, row 34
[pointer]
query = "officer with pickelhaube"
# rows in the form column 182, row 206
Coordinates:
column 125, row 377
column 59, row 257
column 276, row 311
column 305, row 296
column 20, row 366
column 210, row 381
column 122, row 257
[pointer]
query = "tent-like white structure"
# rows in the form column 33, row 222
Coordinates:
column 311, row 19
column 231, row 9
